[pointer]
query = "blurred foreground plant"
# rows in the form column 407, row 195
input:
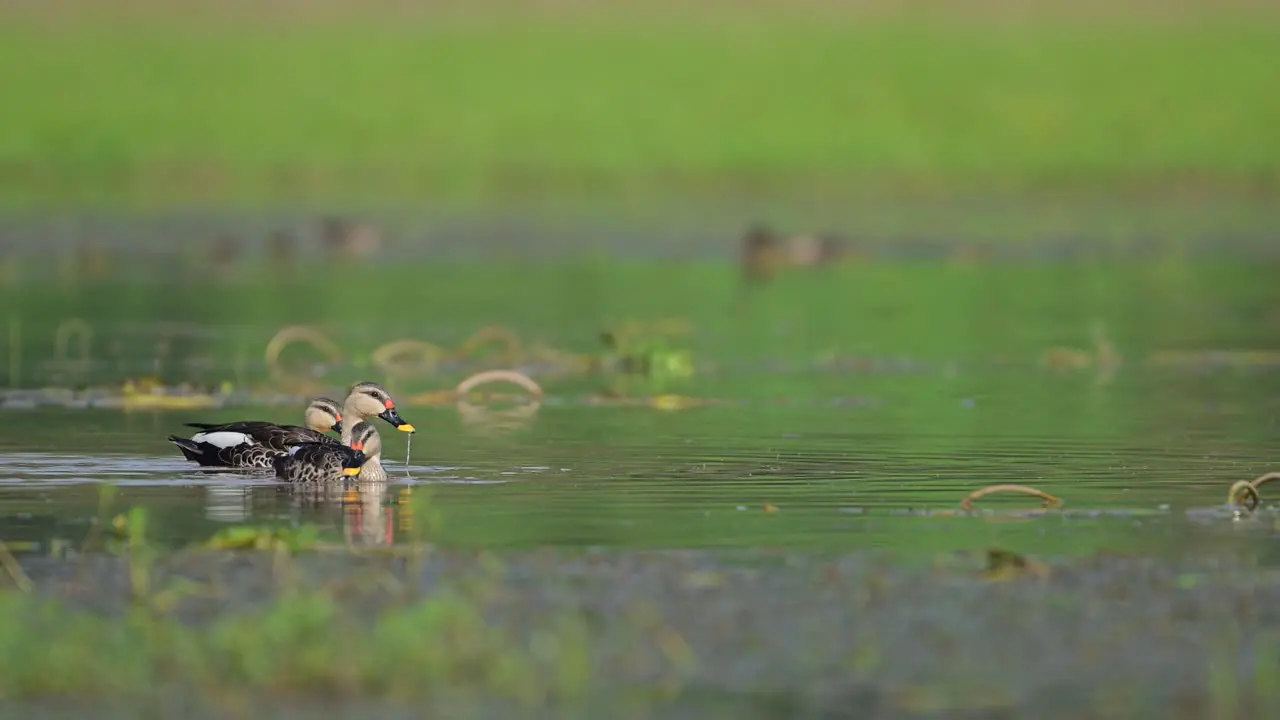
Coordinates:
column 303, row 641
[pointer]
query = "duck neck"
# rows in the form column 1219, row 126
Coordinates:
column 372, row 469
column 350, row 416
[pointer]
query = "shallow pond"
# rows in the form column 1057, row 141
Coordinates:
column 851, row 406
column 777, row 532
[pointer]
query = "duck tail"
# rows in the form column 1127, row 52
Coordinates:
column 190, row 449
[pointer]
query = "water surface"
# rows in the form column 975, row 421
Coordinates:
column 853, row 406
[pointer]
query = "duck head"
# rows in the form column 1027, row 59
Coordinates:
column 352, row 462
column 366, row 442
column 369, row 400
column 323, row 415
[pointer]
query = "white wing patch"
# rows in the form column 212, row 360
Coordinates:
column 222, row 439
column 294, row 450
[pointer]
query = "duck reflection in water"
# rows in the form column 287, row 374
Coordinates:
column 358, row 508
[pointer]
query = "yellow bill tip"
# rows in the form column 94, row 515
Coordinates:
column 406, row 428
column 351, row 472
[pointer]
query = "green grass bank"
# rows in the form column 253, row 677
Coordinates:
column 617, row 110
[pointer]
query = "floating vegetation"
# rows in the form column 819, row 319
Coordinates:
column 512, row 348
column 306, row 537
column 293, row 334
column 1244, row 494
column 405, row 359
column 1103, row 357
column 1247, row 494
column 1050, row 501
column 639, row 359
column 635, row 352
column 677, row 402
column 399, row 361
column 482, row 414
column 495, row 376
column 141, row 397
column 1004, row 565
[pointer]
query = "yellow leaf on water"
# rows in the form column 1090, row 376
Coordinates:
column 668, row 402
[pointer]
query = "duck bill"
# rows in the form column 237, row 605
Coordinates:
column 352, row 463
column 337, row 426
column 393, row 417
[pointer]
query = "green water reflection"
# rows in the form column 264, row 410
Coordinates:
column 853, row 399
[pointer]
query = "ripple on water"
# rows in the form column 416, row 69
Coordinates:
column 788, row 477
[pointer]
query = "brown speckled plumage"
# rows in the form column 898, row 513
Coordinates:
column 247, row 456
column 316, row 462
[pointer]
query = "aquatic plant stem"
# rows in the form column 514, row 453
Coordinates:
column 1263, row 479
column 15, row 351
column 139, row 555
column 14, row 569
column 1246, row 493
column 1050, row 501
column 492, row 376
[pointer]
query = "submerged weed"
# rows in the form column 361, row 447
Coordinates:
column 305, row 641
column 306, row 537
column 303, row 645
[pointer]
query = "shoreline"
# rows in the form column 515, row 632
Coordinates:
column 813, row 632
